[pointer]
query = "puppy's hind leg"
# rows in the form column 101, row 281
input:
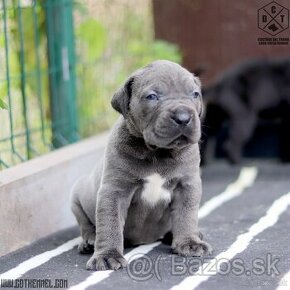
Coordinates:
column 88, row 230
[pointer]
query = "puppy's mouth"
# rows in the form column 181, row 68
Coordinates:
column 182, row 140
column 179, row 142
column 151, row 147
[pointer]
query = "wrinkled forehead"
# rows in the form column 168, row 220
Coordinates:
column 167, row 79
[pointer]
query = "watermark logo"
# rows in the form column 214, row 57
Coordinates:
column 144, row 267
column 34, row 283
column 273, row 18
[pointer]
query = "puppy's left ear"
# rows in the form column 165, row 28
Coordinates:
column 198, row 83
column 201, row 110
column 121, row 99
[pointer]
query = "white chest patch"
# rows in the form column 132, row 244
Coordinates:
column 154, row 191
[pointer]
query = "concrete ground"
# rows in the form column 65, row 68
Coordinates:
column 245, row 216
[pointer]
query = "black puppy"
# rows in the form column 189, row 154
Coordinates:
column 252, row 90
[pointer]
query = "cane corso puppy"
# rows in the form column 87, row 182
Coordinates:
column 243, row 95
column 148, row 184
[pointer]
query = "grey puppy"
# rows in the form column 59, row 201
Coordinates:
column 148, row 184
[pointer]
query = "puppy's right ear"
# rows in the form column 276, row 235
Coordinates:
column 121, row 99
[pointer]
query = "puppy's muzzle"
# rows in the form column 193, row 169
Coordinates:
column 176, row 126
column 181, row 116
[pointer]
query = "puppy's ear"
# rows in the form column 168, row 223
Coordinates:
column 121, row 99
column 198, row 83
column 201, row 110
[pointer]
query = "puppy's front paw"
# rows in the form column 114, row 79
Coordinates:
column 192, row 247
column 110, row 260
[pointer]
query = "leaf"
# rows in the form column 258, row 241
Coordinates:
column 3, row 105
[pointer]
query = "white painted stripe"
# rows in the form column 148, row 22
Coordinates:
column 284, row 283
column 98, row 276
column 38, row 260
column 246, row 179
column 241, row 243
column 144, row 249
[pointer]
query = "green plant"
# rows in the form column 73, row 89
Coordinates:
column 23, row 81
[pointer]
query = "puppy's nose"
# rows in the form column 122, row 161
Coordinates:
column 181, row 117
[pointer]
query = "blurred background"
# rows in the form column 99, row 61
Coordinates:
column 61, row 61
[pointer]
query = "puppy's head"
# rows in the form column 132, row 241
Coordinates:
column 162, row 104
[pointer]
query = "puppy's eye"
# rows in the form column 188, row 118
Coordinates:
column 152, row 97
column 195, row 95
